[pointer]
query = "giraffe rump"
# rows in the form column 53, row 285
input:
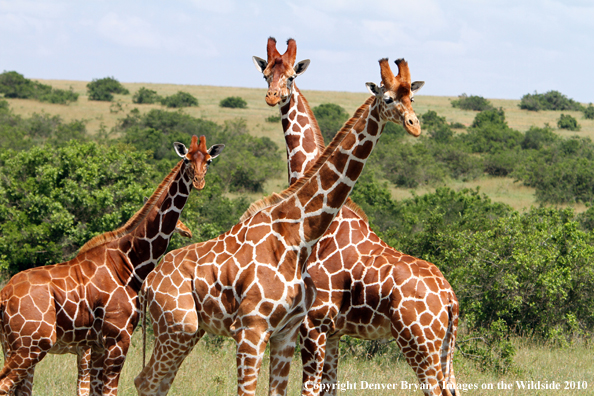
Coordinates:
column 340, row 135
column 137, row 218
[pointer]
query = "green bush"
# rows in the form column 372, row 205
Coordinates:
column 331, row 118
column 436, row 126
column 476, row 103
column 233, row 102
column 15, row 85
column 53, row 200
column 273, row 118
column 568, row 122
column 104, row 88
column 146, row 96
column 536, row 138
column 551, row 100
column 589, row 112
column 180, row 99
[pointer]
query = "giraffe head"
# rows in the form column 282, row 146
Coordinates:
column 280, row 70
column 198, row 158
column 396, row 94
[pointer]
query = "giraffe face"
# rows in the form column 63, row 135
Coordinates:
column 197, row 159
column 396, row 94
column 280, row 71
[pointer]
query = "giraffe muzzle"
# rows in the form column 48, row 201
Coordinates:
column 273, row 97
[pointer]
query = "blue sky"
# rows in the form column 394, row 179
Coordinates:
column 495, row 49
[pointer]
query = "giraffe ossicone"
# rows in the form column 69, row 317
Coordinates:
column 356, row 274
column 251, row 283
column 89, row 305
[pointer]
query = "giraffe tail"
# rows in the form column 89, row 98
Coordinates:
column 448, row 347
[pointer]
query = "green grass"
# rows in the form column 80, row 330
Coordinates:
column 210, row 370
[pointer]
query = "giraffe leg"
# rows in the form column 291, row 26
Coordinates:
column 19, row 366
column 96, row 371
column 25, row 387
column 83, row 360
column 175, row 324
column 282, row 348
column 313, row 353
column 330, row 373
column 113, row 363
column 251, row 344
column 424, row 358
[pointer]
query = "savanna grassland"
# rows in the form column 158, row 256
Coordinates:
column 518, row 256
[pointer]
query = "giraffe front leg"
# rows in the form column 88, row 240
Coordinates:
column 113, row 362
column 313, row 352
column 18, row 370
column 282, row 348
column 175, row 324
column 25, row 388
column 330, row 374
column 251, row 344
column 83, row 382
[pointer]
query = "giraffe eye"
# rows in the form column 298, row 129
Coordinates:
column 412, row 99
column 388, row 99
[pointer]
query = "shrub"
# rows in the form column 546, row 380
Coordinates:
column 146, row 96
column 436, row 126
column 589, row 112
column 568, row 122
column 104, row 88
column 273, row 118
column 53, row 200
column 476, row 103
column 15, row 85
column 551, row 100
column 536, row 138
column 233, row 102
column 180, row 99
column 330, row 119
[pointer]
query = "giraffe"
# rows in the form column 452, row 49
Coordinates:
column 90, row 302
column 251, row 282
column 83, row 353
column 352, row 290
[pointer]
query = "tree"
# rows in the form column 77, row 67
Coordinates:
column 330, row 119
column 472, row 102
column 146, row 96
column 53, row 200
column 104, row 88
column 180, row 99
column 233, row 102
column 568, row 122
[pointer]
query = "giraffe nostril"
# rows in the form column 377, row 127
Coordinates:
column 410, row 121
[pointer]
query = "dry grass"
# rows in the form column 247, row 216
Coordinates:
column 211, row 371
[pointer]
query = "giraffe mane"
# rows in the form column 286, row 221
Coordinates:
column 313, row 123
column 138, row 217
column 278, row 197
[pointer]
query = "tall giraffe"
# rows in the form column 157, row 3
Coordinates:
column 91, row 300
column 251, row 283
column 354, row 289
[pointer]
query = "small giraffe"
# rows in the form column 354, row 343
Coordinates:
column 90, row 302
column 84, row 353
column 350, row 292
column 251, row 283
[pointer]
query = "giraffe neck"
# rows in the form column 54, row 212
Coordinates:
column 302, row 134
column 309, row 206
column 149, row 240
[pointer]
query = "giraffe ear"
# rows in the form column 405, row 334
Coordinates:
column 215, row 150
column 180, row 149
column 414, row 87
column 260, row 63
column 301, row 67
column 373, row 89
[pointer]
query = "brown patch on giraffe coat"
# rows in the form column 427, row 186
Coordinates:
column 331, row 178
column 315, row 204
column 337, row 196
column 354, row 170
column 363, row 151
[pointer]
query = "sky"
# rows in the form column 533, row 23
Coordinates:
column 498, row 49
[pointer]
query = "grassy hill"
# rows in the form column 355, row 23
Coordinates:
column 105, row 115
